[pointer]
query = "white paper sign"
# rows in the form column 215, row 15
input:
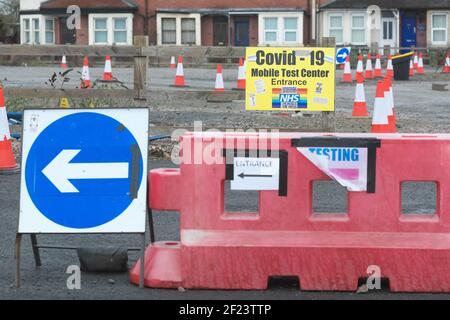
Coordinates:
column 256, row 174
column 348, row 166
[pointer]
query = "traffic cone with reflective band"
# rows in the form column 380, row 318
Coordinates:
column 390, row 104
column 447, row 64
column 347, row 71
column 389, row 68
column 416, row 61
column 411, row 68
column 380, row 122
column 359, row 69
column 64, row 63
column 378, row 71
column 420, row 64
column 360, row 106
column 219, row 79
column 7, row 162
column 241, row 75
column 107, row 73
column 85, row 77
column 173, row 65
column 394, row 118
column 179, row 78
column 369, row 71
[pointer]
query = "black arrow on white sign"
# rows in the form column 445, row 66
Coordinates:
column 243, row 175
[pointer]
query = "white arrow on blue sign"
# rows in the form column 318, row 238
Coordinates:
column 341, row 54
column 84, row 171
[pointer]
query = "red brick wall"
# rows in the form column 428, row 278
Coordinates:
column 83, row 32
column 57, row 23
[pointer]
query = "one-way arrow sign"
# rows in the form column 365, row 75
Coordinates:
column 242, row 175
column 59, row 171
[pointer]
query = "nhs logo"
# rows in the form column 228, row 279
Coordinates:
column 289, row 98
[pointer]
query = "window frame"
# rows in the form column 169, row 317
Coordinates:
column 174, row 30
column 160, row 16
column 290, row 30
column 48, row 31
column 271, row 30
column 363, row 28
column 181, row 31
column 434, row 42
column 110, row 28
column 114, row 30
column 340, row 15
column 281, row 31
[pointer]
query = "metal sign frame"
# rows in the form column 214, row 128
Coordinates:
column 34, row 242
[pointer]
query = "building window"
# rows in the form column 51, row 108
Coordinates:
column 358, row 29
column 169, row 30
column 439, row 28
column 36, row 34
column 49, row 31
column 290, row 29
column 120, row 30
column 100, row 31
column 26, row 31
column 388, row 30
column 337, row 28
column 187, row 31
column 270, row 29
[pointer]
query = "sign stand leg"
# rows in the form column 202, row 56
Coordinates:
column 37, row 256
column 151, row 226
column 142, row 266
column 17, row 257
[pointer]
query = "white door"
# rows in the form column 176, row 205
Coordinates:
column 388, row 33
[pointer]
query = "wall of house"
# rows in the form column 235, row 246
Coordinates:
column 220, row 4
column 83, row 32
column 207, row 30
column 253, row 28
column 429, row 28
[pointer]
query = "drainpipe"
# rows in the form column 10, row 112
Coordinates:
column 313, row 21
column 146, row 18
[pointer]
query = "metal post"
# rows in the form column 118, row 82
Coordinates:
column 34, row 245
column 17, row 257
column 142, row 265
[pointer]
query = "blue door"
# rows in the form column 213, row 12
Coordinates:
column 241, row 33
column 408, row 31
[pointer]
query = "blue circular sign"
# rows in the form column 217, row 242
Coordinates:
column 341, row 55
column 83, row 170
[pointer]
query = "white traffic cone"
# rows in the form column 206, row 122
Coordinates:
column 85, row 76
column 219, row 79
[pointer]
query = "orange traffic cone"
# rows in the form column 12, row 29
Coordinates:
column 394, row 117
column 411, row 68
column 380, row 122
column 359, row 69
column 359, row 106
column 7, row 162
column 447, row 64
column 389, row 99
column 347, row 71
column 179, row 78
column 420, row 64
column 63, row 63
column 369, row 71
column 172, row 63
column 241, row 75
column 378, row 71
column 219, row 79
column 85, row 77
column 107, row 73
column 416, row 61
column 389, row 68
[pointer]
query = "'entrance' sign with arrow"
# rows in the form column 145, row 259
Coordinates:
column 256, row 174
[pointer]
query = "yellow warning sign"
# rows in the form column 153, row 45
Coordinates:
column 280, row 79
column 64, row 103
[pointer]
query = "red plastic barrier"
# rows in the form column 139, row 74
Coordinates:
column 219, row 250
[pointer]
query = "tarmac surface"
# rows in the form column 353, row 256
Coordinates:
column 49, row 281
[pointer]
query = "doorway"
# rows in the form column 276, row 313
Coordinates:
column 66, row 36
column 388, row 33
column 409, row 30
column 220, row 31
column 241, row 33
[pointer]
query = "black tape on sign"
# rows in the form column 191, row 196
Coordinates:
column 109, row 259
